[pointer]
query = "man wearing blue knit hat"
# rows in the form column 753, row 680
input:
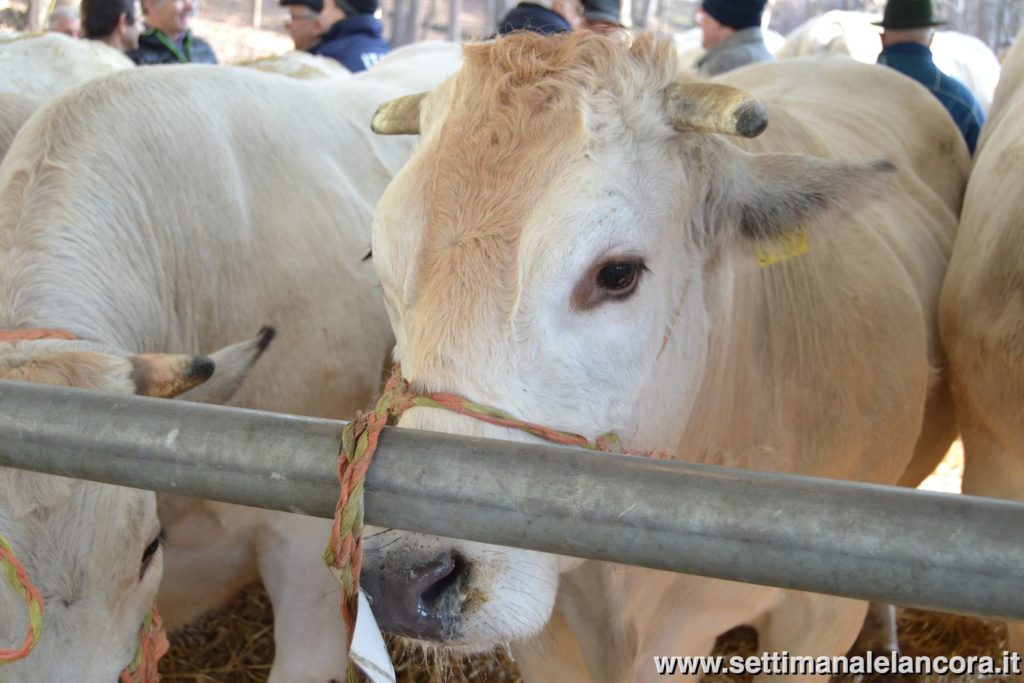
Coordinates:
column 732, row 35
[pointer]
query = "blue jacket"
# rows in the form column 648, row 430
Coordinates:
column 529, row 17
column 915, row 60
column 354, row 41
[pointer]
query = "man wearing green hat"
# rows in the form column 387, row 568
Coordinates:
column 907, row 29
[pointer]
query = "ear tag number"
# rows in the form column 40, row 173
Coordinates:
column 791, row 243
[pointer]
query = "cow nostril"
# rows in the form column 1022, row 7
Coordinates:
column 422, row 601
column 443, row 598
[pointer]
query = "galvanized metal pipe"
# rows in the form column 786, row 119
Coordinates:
column 938, row 551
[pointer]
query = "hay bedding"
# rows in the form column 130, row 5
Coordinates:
column 235, row 645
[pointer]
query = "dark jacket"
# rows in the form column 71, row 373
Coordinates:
column 156, row 47
column 354, row 41
column 529, row 17
column 915, row 60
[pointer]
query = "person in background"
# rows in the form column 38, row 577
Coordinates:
column 602, row 16
column 731, row 31
column 64, row 19
column 167, row 38
column 907, row 30
column 351, row 34
column 542, row 16
column 113, row 22
column 302, row 22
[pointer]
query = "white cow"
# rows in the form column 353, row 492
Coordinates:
column 49, row 63
column 981, row 314
column 575, row 246
column 835, row 32
column 174, row 208
column 959, row 55
column 14, row 111
column 969, row 60
column 92, row 550
column 298, row 64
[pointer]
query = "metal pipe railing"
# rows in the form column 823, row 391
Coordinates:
column 938, row 551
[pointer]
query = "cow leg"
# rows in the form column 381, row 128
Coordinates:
column 938, row 432
column 623, row 617
column 880, row 632
column 309, row 635
column 208, row 556
column 991, row 469
column 788, row 628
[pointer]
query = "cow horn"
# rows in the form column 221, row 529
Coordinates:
column 400, row 116
column 695, row 107
column 165, row 375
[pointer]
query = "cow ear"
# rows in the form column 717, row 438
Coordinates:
column 769, row 198
column 233, row 364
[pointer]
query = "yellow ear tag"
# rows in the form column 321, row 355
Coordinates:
column 789, row 244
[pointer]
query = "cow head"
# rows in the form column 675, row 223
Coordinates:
column 93, row 550
column 559, row 246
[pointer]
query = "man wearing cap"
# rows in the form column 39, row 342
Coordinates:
column 602, row 16
column 731, row 31
column 907, row 29
column 541, row 16
column 302, row 22
column 167, row 38
column 351, row 34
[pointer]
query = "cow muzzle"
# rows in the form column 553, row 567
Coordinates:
column 423, row 600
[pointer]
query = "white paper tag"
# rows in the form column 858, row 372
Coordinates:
column 368, row 651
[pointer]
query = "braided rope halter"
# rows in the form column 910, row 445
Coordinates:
column 17, row 577
column 360, row 438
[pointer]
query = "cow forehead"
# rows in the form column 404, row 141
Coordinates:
column 507, row 130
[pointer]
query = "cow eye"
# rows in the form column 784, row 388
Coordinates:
column 611, row 280
column 150, row 551
column 620, row 278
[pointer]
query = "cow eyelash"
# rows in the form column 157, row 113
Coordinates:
column 150, row 551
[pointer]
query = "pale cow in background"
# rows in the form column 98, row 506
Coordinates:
column 176, row 209
column 982, row 313
column 298, row 64
column 93, row 550
column 14, row 111
column 46, row 64
column 613, row 288
column 961, row 56
column 835, row 32
column 969, row 60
